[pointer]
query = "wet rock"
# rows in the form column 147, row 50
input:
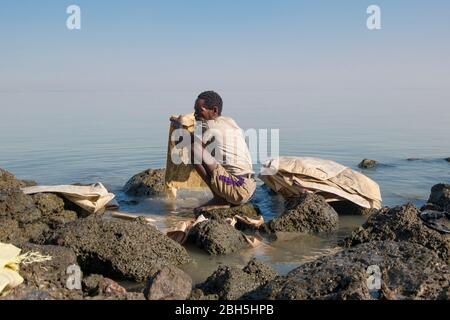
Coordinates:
column 401, row 223
column 408, row 271
column 217, row 237
column 245, row 210
column 46, row 280
column 232, row 283
column 308, row 213
column 414, row 159
column 368, row 164
column 120, row 249
column 350, row 208
column 198, row 294
column 170, row 283
column 147, row 183
column 447, row 159
column 440, row 196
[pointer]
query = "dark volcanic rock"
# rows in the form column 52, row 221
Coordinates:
column 18, row 206
column 368, row 164
column 46, row 280
column 217, row 237
column 97, row 287
column 170, row 283
column 408, row 271
column 307, row 214
column 401, row 223
column 440, row 196
column 231, row 283
column 30, row 218
column 350, row 208
column 147, row 183
column 120, row 249
column 245, row 210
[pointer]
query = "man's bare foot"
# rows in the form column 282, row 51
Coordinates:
column 215, row 203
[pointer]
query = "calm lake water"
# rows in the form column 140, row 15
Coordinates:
column 63, row 138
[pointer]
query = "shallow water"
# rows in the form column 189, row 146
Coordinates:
column 63, row 138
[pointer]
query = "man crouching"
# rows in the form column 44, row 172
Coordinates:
column 220, row 155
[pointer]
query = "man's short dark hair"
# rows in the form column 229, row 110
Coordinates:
column 212, row 99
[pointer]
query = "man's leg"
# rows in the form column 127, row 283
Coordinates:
column 205, row 164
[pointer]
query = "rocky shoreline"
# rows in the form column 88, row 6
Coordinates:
column 409, row 246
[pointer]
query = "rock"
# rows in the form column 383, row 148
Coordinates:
column 28, row 293
column 147, row 183
column 170, row 283
column 52, row 208
column 440, row 196
column 401, row 223
column 198, row 294
column 308, row 213
column 408, row 271
column 368, row 164
column 110, row 288
column 245, row 210
column 48, row 203
column 90, row 284
column 414, row 159
column 232, row 283
column 12, row 232
column 350, row 208
column 217, row 237
column 120, row 249
column 47, row 280
column 97, row 287
column 9, row 181
column 447, row 159
column 30, row 218
column 18, row 206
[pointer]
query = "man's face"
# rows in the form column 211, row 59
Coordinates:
column 202, row 113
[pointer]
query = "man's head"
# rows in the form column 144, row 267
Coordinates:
column 208, row 106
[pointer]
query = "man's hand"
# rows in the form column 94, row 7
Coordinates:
column 175, row 121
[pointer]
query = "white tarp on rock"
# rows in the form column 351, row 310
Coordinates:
column 93, row 198
column 291, row 176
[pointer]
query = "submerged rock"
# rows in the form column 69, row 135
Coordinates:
column 350, row 208
column 440, row 196
column 232, row 283
column 217, row 237
column 407, row 271
column 308, row 213
column 46, row 280
column 245, row 210
column 368, row 164
column 147, row 183
column 401, row 223
column 120, row 249
column 170, row 283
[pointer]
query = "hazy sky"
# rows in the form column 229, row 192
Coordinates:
column 227, row 45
